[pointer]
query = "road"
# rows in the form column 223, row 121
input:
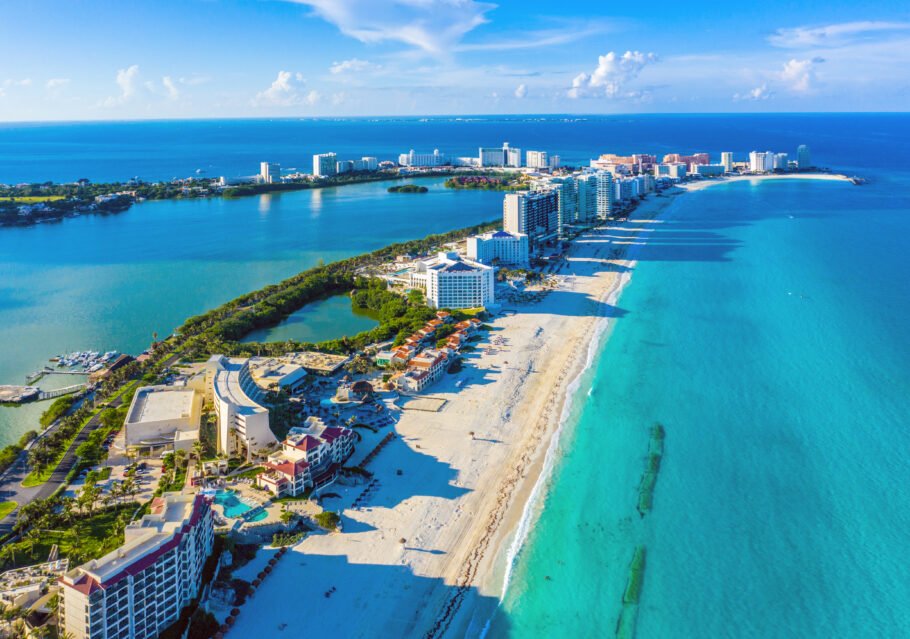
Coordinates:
column 11, row 488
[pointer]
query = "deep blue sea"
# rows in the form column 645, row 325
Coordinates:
column 765, row 327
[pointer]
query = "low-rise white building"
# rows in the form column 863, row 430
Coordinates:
column 138, row 590
column 243, row 420
column 423, row 370
column 502, row 246
column 450, row 282
column 414, row 159
column 163, row 418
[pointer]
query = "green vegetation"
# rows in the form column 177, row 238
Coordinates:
column 508, row 182
column 8, row 454
column 78, row 535
column 287, row 538
column 6, row 507
column 57, row 409
column 173, row 476
column 219, row 330
column 408, row 188
column 328, row 519
column 31, row 199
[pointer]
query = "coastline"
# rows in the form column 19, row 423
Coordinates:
column 475, row 473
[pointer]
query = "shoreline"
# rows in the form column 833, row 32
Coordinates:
column 466, row 505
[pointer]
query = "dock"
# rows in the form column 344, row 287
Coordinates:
column 18, row 394
column 22, row 394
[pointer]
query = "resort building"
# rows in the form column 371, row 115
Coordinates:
column 269, row 172
column 689, row 160
column 422, row 371
column 366, row 163
column 277, row 373
column 163, row 418
column 500, row 246
column 412, row 159
column 535, row 213
column 781, row 162
column 604, row 194
column 450, row 282
column 243, row 421
column 504, row 156
column 344, row 166
column 675, row 171
column 310, row 459
column 537, row 160
column 803, row 158
column 710, row 170
column 324, row 164
column 726, row 158
column 138, row 590
column 586, row 192
column 761, row 162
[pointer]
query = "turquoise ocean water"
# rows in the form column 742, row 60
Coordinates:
column 765, row 327
column 766, row 330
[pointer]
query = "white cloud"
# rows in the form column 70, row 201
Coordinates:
column 312, row 97
column 18, row 83
column 521, row 91
column 834, row 35
column 127, row 79
column 354, row 65
column 756, row 94
column 170, row 88
column 56, row 83
column 611, row 76
column 432, row 26
column 539, row 39
column 339, row 98
column 284, row 91
column 799, row 75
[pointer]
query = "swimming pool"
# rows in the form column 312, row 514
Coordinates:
column 235, row 508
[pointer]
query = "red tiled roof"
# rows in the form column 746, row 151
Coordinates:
column 307, row 443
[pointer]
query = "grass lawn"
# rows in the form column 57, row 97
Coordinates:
column 6, row 507
column 87, row 538
column 31, row 199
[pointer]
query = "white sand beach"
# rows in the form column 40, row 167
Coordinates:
column 460, row 497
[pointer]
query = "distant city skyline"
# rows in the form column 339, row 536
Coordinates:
column 316, row 58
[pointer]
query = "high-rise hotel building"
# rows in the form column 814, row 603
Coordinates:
column 535, row 213
column 138, row 590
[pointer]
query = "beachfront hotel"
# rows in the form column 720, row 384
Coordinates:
column 138, row 590
column 451, row 282
column 761, row 162
column 726, row 158
column 163, row 418
column 269, row 172
column 243, row 421
column 535, row 213
column 324, row 164
column 414, row 159
column 500, row 247
column 310, row 458
column 504, row 156
column 803, row 158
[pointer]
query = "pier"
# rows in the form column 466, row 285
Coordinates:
column 23, row 394
column 47, row 370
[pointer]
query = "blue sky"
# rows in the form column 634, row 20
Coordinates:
column 64, row 60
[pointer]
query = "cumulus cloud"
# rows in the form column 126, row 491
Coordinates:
column 799, row 75
column 611, row 76
column 521, row 91
column 834, row 35
column 128, row 81
column 432, row 26
column 312, row 97
column 756, row 94
column 170, row 88
column 18, row 83
column 354, row 65
column 284, row 91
